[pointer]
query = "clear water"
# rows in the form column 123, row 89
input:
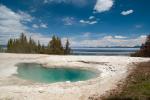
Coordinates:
column 104, row 51
column 37, row 73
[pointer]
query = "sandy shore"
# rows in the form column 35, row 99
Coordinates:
column 112, row 69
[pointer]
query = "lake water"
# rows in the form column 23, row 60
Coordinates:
column 104, row 51
column 37, row 73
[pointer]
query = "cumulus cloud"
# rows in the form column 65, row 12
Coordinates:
column 86, row 34
column 91, row 20
column 42, row 25
column 12, row 23
column 127, row 12
column 120, row 37
column 103, row 5
column 143, row 36
column 91, row 17
column 74, row 2
column 25, row 16
column 108, row 41
column 38, row 36
column 35, row 26
column 88, row 22
column 68, row 20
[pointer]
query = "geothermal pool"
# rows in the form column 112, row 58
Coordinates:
column 38, row 73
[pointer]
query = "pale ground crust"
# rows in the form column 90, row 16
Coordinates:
column 112, row 70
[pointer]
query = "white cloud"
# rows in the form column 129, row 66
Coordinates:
column 86, row 34
column 93, row 22
column 25, row 16
column 143, row 36
column 127, row 12
column 120, row 37
column 42, row 38
column 74, row 2
column 108, row 41
column 68, row 20
column 91, row 17
column 82, row 21
column 88, row 22
column 103, row 5
column 12, row 23
column 108, row 37
column 35, row 26
column 42, row 25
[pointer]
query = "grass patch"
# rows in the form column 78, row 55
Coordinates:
column 136, row 86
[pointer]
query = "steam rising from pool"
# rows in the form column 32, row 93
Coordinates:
column 37, row 73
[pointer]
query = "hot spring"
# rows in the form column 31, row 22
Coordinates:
column 38, row 73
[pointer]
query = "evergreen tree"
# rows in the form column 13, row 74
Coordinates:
column 10, row 45
column 39, row 47
column 51, row 45
column 144, row 50
column 1, row 49
column 55, row 46
column 43, row 50
column 22, row 45
column 23, row 38
column 67, row 48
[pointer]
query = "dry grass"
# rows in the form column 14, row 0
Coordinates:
column 136, row 86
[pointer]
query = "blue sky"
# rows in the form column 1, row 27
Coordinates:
column 83, row 22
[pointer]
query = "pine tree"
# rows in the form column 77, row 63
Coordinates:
column 55, row 46
column 0, row 47
column 10, row 45
column 144, row 50
column 1, row 50
column 23, row 45
column 67, row 48
column 43, row 50
column 52, row 43
column 39, row 47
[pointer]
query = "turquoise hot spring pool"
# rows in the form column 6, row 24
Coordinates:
column 38, row 73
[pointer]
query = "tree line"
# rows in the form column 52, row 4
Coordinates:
column 24, row 45
column 144, row 50
column 1, row 49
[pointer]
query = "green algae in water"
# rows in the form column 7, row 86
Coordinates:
column 37, row 73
